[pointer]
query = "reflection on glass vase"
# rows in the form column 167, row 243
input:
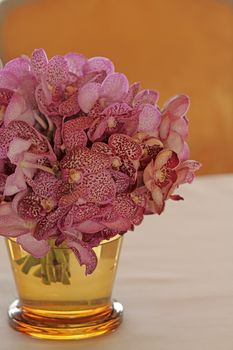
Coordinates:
column 57, row 300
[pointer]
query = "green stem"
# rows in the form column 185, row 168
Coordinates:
column 52, row 268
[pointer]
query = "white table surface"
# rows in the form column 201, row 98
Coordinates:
column 175, row 279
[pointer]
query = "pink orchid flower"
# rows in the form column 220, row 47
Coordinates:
column 173, row 129
column 83, row 155
column 125, row 154
column 159, row 176
column 11, row 225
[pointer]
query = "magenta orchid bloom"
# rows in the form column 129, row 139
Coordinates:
column 83, row 154
column 173, row 129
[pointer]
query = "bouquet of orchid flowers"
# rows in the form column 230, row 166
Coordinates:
column 83, row 155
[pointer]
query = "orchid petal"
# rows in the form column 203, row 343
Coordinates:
column 184, row 154
column 15, row 109
column 88, row 95
column 90, row 226
column 125, row 146
column 175, row 142
column 3, row 178
column 157, row 196
column 16, row 147
column 180, row 126
column 101, row 147
column 100, row 128
column 117, row 109
column 29, row 207
column 31, row 245
column 39, row 63
column 114, row 87
column 73, row 138
column 164, row 128
column 70, row 106
column 86, row 160
column 8, row 80
column 5, row 96
column 10, row 224
column 148, row 176
column 57, row 71
column 80, row 213
column 122, row 181
column 15, row 183
column 75, row 63
column 6, row 137
column 99, row 64
column 177, row 106
column 98, row 188
column 18, row 66
column 163, row 159
column 146, row 97
column 85, row 255
column 149, row 119
column 118, row 224
column 132, row 92
column 45, row 185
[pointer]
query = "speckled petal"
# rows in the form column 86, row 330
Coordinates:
column 20, row 67
column 29, row 207
column 45, row 185
column 114, row 87
column 149, row 119
column 122, row 181
column 117, row 109
column 70, row 106
column 3, row 178
column 125, row 207
column 5, row 96
column 73, row 138
column 80, row 213
column 125, row 146
column 8, row 80
column 5, row 138
column 101, row 147
column 98, row 188
column 57, row 71
column 39, row 63
column 86, row 160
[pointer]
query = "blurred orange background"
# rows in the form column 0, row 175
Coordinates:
column 172, row 46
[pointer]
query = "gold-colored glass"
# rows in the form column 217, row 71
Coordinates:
column 80, row 308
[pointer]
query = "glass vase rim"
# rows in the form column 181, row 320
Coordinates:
column 118, row 236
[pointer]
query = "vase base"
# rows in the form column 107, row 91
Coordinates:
column 65, row 327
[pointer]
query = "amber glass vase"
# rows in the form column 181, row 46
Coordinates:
column 76, row 307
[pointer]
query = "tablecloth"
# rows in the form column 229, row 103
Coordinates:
column 175, row 279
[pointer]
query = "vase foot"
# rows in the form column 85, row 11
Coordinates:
column 65, row 326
